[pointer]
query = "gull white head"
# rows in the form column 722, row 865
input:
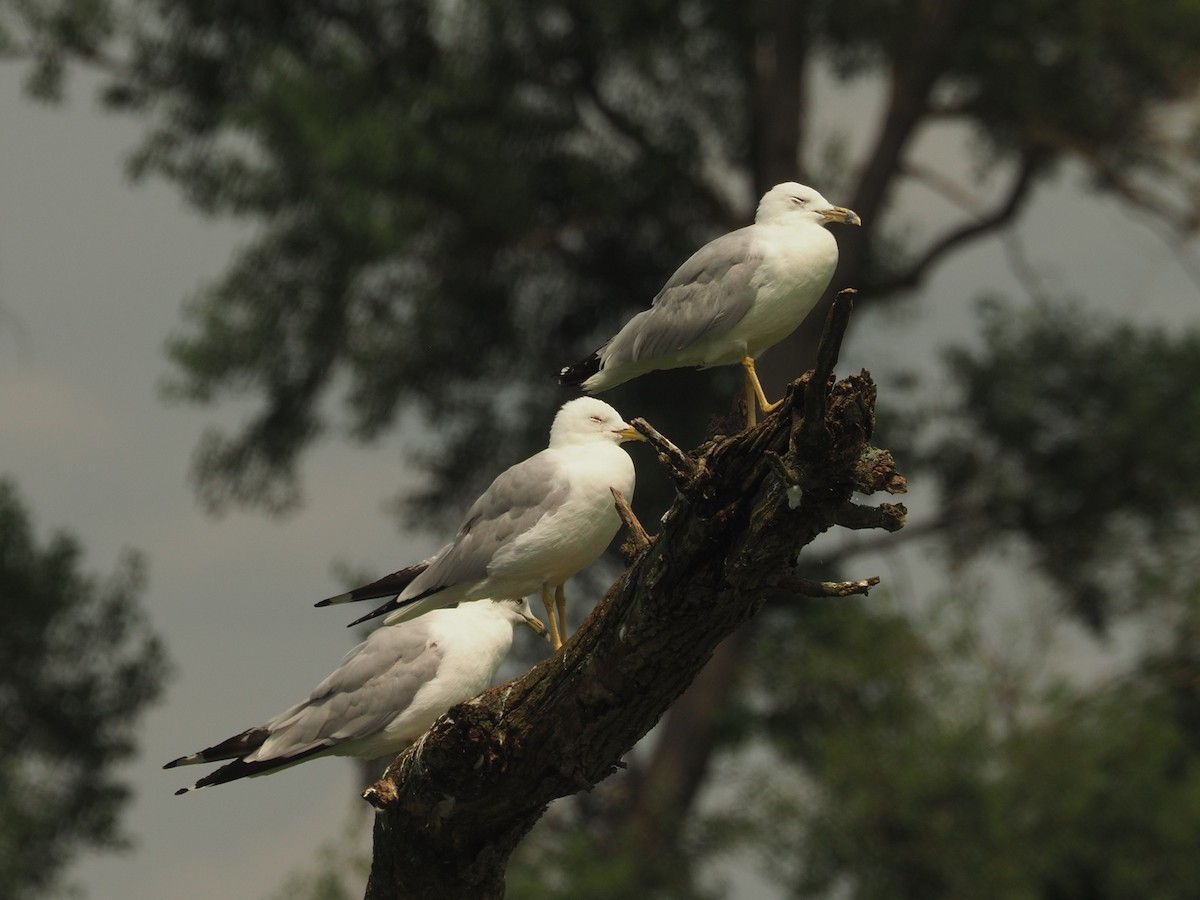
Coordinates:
column 792, row 204
column 587, row 420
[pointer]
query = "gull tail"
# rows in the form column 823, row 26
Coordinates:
column 387, row 586
column 577, row 374
column 239, row 768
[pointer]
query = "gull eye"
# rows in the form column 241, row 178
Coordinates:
column 596, row 419
column 799, row 201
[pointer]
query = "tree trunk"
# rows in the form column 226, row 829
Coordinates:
column 913, row 76
column 454, row 806
column 780, row 51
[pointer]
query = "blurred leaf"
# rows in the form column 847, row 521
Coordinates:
column 78, row 666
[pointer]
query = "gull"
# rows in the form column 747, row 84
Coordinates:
column 734, row 297
column 385, row 694
column 539, row 523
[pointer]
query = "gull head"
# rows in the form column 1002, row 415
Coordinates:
column 793, row 204
column 586, row 420
column 517, row 612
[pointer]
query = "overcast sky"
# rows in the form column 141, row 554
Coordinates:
column 92, row 275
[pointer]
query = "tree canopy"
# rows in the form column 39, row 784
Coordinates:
column 461, row 194
column 455, row 199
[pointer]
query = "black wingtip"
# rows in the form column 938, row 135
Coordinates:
column 374, row 614
column 396, row 603
column 387, row 586
column 182, row 791
column 577, row 374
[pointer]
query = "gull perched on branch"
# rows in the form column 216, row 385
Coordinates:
column 540, row 522
column 735, row 297
column 385, row 694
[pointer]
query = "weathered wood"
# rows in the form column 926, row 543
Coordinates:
column 454, row 806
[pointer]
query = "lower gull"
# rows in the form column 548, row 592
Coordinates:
column 385, row 694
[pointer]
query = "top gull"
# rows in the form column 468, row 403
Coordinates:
column 735, row 297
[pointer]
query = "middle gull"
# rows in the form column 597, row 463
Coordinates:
column 540, row 522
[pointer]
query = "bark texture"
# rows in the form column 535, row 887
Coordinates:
column 454, row 806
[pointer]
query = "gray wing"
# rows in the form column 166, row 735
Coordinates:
column 375, row 682
column 707, row 295
column 511, row 505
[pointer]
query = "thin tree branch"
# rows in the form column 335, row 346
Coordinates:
column 955, row 515
column 815, row 397
column 891, row 541
column 947, row 188
column 888, row 516
column 681, row 467
column 639, row 542
column 1030, row 166
column 809, row 588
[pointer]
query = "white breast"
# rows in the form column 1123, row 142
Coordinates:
column 573, row 536
column 797, row 266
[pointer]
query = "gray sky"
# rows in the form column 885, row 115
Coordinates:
column 92, row 275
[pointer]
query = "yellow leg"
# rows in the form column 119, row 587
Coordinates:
column 560, row 605
column 750, row 401
column 754, row 392
column 555, row 637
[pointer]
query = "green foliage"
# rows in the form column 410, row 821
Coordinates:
column 578, row 859
column 1074, row 436
column 439, row 213
column 837, row 662
column 78, row 664
column 1098, row 796
column 462, row 195
column 911, row 763
column 1110, row 793
column 52, row 33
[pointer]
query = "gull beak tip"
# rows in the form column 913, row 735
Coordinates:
column 843, row 215
column 629, row 433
